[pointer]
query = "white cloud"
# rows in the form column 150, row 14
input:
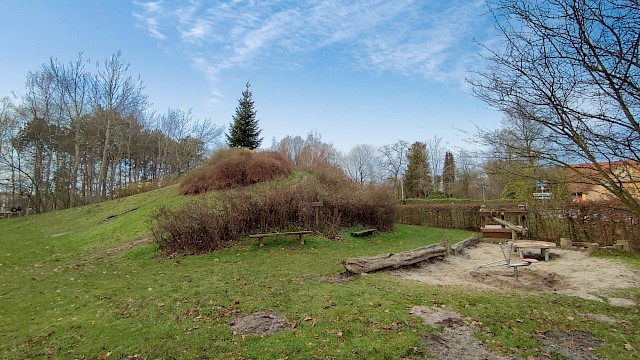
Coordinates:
column 430, row 39
column 148, row 18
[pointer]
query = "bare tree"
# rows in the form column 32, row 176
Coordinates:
column 361, row 164
column 572, row 66
column 514, row 154
column 118, row 95
column 7, row 122
column 467, row 175
column 72, row 96
column 307, row 153
column 436, row 152
column 290, row 147
column 393, row 159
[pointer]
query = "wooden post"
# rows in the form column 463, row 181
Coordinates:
column 592, row 248
column 447, row 247
column 565, row 243
column 302, row 239
column 625, row 244
column 261, row 241
column 317, row 205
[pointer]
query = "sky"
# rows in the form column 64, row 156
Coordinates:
column 356, row 72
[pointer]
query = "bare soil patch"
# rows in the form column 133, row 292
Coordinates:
column 567, row 272
column 260, row 323
column 455, row 341
column 574, row 344
column 125, row 246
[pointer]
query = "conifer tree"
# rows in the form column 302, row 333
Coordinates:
column 244, row 130
column 448, row 173
column 417, row 179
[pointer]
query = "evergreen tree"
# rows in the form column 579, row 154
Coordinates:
column 448, row 173
column 417, row 179
column 244, row 131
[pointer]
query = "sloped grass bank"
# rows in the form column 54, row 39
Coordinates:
column 59, row 300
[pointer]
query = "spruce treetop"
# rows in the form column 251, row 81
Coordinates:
column 244, row 130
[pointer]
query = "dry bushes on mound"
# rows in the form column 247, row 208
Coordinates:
column 210, row 223
column 231, row 168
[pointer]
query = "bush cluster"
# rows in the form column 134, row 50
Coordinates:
column 236, row 167
column 323, row 202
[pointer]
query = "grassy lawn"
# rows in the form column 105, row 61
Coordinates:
column 59, row 298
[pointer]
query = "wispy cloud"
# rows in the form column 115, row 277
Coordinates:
column 150, row 16
column 429, row 39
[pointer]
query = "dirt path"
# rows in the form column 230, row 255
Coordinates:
column 568, row 272
column 126, row 246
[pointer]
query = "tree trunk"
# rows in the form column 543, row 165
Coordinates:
column 382, row 261
column 104, row 164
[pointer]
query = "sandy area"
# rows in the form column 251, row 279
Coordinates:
column 567, row 272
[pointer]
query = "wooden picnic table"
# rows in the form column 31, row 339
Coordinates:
column 544, row 246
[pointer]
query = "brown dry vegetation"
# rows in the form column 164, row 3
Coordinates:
column 323, row 201
column 598, row 222
column 231, row 168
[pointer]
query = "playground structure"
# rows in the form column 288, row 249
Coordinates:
column 507, row 252
column 501, row 223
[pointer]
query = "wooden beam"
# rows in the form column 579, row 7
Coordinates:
column 511, row 226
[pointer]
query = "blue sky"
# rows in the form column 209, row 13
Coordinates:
column 357, row 72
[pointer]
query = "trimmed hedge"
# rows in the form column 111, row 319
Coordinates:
column 603, row 223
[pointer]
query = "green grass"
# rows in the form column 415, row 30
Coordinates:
column 59, row 298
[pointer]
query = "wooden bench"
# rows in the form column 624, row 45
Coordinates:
column 299, row 233
column 363, row 232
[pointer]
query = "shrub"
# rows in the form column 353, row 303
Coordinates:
column 210, row 223
column 231, row 168
column 136, row 188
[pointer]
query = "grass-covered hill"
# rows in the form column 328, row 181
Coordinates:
column 70, row 288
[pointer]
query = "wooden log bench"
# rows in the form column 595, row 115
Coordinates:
column 363, row 232
column 299, row 233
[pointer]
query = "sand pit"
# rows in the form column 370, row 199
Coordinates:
column 568, row 272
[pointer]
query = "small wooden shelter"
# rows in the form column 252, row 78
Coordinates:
column 501, row 223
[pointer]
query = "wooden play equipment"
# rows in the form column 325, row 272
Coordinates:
column 544, row 247
column 501, row 223
column 507, row 251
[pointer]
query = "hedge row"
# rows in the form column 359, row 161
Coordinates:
column 603, row 223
